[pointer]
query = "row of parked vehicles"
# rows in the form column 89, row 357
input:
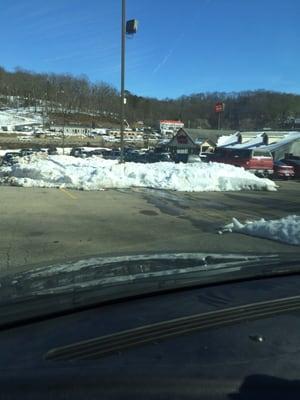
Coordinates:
column 11, row 157
column 130, row 155
column 258, row 161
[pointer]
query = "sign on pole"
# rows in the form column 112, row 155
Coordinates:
column 219, row 107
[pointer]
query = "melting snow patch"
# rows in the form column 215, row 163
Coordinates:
column 95, row 173
column 286, row 230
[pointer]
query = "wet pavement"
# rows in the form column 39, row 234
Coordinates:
column 39, row 226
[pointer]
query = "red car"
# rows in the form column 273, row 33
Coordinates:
column 283, row 171
column 255, row 160
column 295, row 163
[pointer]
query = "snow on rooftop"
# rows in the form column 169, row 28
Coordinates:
column 254, row 142
column 286, row 230
column 257, row 141
column 227, row 140
column 290, row 137
column 95, row 173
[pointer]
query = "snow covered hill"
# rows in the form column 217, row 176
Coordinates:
column 10, row 118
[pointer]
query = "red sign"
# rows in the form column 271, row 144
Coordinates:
column 219, row 107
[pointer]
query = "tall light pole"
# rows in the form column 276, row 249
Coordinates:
column 129, row 28
column 123, row 41
column 64, row 123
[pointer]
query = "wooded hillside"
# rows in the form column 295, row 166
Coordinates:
column 243, row 110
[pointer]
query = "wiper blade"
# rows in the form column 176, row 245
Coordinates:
column 108, row 271
column 46, row 292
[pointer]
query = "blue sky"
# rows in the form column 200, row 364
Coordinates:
column 182, row 46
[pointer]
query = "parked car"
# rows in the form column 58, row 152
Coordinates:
column 26, row 152
column 283, row 170
column 135, row 156
column 86, row 154
column 10, row 158
column 130, row 155
column 153, row 157
column 52, row 151
column 181, row 157
column 194, row 158
column 97, row 152
column 260, row 162
column 111, row 154
column 38, row 150
column 76, row 151
column 295, row 163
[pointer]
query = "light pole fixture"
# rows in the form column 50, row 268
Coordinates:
column 129, row 28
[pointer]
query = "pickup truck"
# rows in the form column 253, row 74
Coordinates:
column 257, row 161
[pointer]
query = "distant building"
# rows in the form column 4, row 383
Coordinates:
column 193, row 141
column 170, row 127
column 279, row 143
column 271, row 136
column 25, row 127
column 128, row 135
column 71, row 129
column 287, row 146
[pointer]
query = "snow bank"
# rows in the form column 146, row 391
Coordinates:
column 286, row 230
column 95, row 173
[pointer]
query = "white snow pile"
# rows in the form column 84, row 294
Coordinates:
column 286, row 230
column 13, row 117
column 95, row 173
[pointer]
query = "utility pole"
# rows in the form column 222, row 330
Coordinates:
column 123, row 41
column 63, row 133
column 129, row 28
column 219, row 121
column 64, row 121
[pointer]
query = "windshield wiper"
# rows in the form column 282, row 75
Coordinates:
column 104, row 345
column 44, row 292
column 116, row 271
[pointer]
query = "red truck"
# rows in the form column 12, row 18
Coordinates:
column 260, row 162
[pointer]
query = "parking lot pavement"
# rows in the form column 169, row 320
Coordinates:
column 42, row 226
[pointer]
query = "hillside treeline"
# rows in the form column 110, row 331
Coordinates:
column 63, row 92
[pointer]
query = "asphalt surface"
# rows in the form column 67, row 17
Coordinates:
column 43, row 226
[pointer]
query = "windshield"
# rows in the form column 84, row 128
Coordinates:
column 126, row 130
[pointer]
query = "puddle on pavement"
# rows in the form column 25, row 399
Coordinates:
column 202, row 224
column 213, row 204
column 149, row 212
column 167, row 202
column 36, row 233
